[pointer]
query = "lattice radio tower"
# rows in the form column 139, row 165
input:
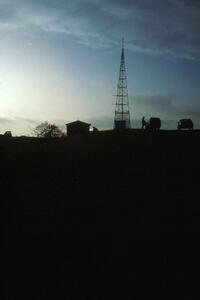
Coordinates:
column 122, row 113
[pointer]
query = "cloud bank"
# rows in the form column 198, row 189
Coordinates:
column 168, row 108
column 169, row 27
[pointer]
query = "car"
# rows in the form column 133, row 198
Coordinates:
column 153, row 124
column 185, row 124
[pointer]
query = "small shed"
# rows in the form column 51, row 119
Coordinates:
column 120, row 124
column 77, row 128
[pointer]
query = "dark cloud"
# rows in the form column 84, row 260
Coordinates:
column 193, row 3
column 155, row 103
column 167, row 107
column 168, row 27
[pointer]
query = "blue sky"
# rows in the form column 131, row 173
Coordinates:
column 59, row 61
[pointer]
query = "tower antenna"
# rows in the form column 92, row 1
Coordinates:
column 122, row 113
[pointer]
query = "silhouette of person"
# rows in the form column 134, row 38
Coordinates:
column 95, row 129
column 143, row 123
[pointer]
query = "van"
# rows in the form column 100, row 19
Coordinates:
column 185, row 124
column 153, row 124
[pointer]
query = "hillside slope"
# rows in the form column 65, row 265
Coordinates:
column 106, row 215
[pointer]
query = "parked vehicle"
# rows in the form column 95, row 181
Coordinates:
column 185, row 124
column 153, row 124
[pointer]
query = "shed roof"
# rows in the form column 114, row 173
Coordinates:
column 78, row 123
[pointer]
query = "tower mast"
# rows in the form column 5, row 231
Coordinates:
column 122, row 113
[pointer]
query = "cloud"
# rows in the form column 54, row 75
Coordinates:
column 4, row 120
column 102, row 122
column 155, row 103
column 168, row 27
column 19, row 119
column 168, row 107
column 17, row 125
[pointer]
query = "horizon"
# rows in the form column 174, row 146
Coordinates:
column 60, row 62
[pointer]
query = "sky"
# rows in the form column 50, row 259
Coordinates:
column 60, row 59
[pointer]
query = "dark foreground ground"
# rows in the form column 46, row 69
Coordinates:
column 111, row 215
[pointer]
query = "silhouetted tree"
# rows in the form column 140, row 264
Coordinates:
column 8, row 134
column 46, row 130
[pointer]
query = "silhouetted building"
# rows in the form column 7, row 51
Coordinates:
column 77, row 128
column 121, row 124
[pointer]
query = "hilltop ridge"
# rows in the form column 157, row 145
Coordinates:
column 101, row 215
